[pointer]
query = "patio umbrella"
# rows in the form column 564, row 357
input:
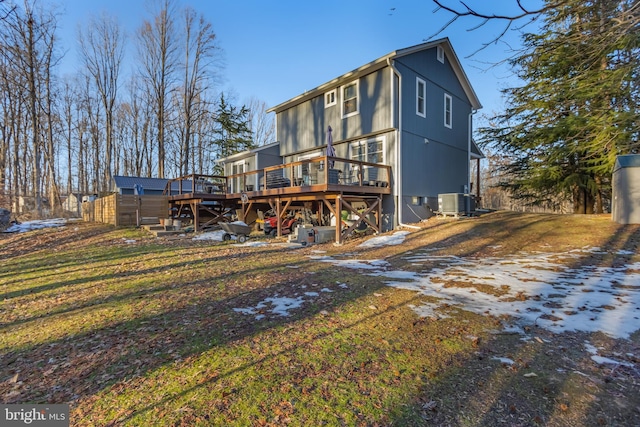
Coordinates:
column 331, row 152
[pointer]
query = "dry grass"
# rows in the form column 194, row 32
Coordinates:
column 146, row 333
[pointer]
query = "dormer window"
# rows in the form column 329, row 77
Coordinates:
column 330, row 99
column 350, row 102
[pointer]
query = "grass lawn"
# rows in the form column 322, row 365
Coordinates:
column 134, row 330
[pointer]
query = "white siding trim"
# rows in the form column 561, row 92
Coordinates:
column 448, row 111
column 421, row 97
column 357, row 98
column 330, row 98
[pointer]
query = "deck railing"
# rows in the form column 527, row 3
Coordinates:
column 194, row 183
column 323, row 170
column 309, row 172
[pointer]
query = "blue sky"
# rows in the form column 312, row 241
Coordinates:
column 276, row 50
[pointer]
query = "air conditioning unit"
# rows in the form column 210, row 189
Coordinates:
column 452, row 204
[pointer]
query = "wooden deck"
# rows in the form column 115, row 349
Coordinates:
column 308, row 184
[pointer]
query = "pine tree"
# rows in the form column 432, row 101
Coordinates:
column 232, row 134
column 578, row 108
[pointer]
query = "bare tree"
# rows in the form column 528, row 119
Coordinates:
column 261, row 123
column 158, row 54
column 522, row 15
column 200, row 54
column 102, row 49
column 29, row 40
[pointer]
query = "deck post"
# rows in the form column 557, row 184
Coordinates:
column 279, row 216
column 338, row 215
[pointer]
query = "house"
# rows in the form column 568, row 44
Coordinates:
column 140, row 185
column 250, row 160
column 411, row 109
column 625, row 207
column 73, row 204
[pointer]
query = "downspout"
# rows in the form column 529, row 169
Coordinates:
column 398, row 181
column 469, row 139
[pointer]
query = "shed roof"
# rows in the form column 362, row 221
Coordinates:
column 627, row 161
column 383, row 62
column 476, row 153
column 129, row 182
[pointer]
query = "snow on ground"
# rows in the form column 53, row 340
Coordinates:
column 553, row 291
column 215, row 236
column 392, row 239
column 36, row 225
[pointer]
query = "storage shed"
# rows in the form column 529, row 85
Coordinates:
column 626, row 189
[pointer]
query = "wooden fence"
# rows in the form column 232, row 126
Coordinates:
column 126, row 209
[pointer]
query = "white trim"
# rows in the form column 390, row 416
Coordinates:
column 381, row 139
column 448, row 112
column 238, row 163
column 310, row 155
column 424, row 97
column 332, row 95
column 357, row 98
column 307, row 157
column 235, row 181
column 440, row 53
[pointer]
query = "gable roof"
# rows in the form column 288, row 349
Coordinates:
column 383, row 62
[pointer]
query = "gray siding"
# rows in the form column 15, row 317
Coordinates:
column 432, row 168
column 304, row 126
column 434, row 157
column 255, row 159
column 440, row 79
column 268, row 157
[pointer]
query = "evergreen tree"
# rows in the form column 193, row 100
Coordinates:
column 232, row 134
column 578, row 108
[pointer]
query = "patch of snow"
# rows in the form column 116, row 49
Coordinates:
column 600, row 360
column 396, row 238
column 542, row 289
column 36, row 225
column 504, row 360
column 605, row 360
column 251, row 244
column 280, row 306
column 625, row 252
column 215, row 236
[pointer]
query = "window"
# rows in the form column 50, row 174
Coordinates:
column 307, row 173
column 421, row 94
column 330, row 99
column 350, row 103
column 448, row 120
column 416, row 200
column 237, row 168
column 371, row 151
column 440, row 53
